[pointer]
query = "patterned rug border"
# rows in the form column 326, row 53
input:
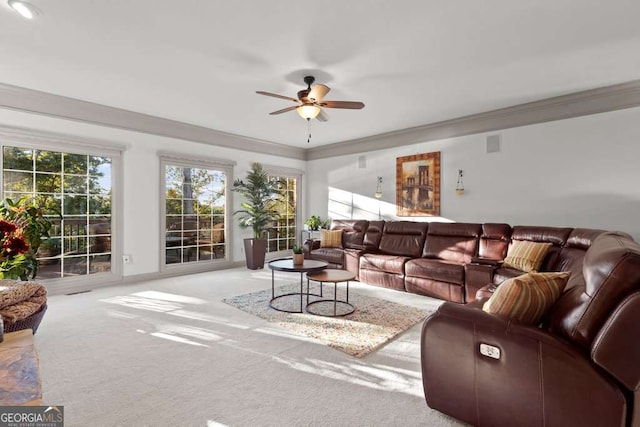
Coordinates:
column 374, row 323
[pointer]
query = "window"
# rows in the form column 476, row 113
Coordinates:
column 282, row 236
column 195, row 211
column 76, row 193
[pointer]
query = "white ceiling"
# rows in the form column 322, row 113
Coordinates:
column 412, row 62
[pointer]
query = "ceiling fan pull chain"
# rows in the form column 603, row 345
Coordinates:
column 309, row 129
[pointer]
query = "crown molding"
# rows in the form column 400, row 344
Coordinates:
column 593, row 101
column 47, row 104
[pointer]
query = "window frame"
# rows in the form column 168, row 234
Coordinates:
column 182, row 160
column 297, row 174
column 35, row 140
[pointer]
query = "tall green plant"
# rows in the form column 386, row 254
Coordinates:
column 262, row 195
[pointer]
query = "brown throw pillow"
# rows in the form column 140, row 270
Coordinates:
column 526, row 256
column 527, row 298
column 331, row 239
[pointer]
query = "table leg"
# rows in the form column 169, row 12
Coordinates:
column 335, row 297
column 347, row 291
column 302, row 293
column 273, row 287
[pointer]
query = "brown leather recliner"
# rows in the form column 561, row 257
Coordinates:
column 581, row 367
column 347, row 257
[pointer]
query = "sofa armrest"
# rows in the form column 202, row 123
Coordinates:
column 310, row 244
column 617, row 343
column 486, row 370
column 486, row 261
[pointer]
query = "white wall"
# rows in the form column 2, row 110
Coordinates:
column 582, row 172
column 141, row 172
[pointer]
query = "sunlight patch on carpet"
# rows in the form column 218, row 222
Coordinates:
column 374, row 323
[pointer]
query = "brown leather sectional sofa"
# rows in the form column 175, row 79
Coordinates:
column 579, row 367
column 450, row 261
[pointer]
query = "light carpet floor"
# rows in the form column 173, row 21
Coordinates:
column 169, row 352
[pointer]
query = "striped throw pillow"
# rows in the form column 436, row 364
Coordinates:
column 527, row 298
column 526, row 256
column 331, row 239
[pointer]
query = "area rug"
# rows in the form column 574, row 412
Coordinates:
column 373, row 323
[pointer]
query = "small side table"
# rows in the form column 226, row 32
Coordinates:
column 286, row 264
column 332, row 276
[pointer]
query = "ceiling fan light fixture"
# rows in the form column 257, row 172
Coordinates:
column 26, row 10
column 308, row 111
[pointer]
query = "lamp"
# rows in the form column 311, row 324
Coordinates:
column 26, row 10
column 459, row 184
column 378, row 194
column 308, row 111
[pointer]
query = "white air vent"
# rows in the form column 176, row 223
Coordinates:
column 362, row 162
column 493, row 144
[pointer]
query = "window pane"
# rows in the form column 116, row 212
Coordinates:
column 75, row 184
column 75, row 164
column 194, row 204
column 282, row 236
column 48, row 161
column 18, row 181
column 75, row 205
column 74, row 266
column 48, row 183
column 17, row 159
column 81, row 218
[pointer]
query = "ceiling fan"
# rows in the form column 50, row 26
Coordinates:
column 310, row 100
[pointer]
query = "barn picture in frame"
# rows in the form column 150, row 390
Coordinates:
column 418, row 185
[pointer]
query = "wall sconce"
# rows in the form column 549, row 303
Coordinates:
column 378, row 194
column 459, row 184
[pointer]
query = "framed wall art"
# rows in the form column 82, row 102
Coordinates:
column 418, row 185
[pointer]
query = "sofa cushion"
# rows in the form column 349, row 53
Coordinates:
column 527, row 298
column 331, row 255
column 526, row 256
column 434, row 269
column 331, row 239
column 456, row 242
column 352, row 232
column 386, row 263
column 503, row 273
column 404, row 238
column 494, row 241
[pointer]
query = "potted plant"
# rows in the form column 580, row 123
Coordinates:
column 259, row 210
column 314, row 223
column 23, row 228
column 298, row 256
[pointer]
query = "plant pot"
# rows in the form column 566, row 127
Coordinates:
column 254, row 252
column 298, row 259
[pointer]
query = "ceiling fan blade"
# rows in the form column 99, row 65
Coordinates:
column 351, row 105
column 275, row 95
column 322, row 116
column 318, row 92
column 284, row 110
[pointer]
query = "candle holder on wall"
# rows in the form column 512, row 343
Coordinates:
column 460, row 184
column 378, row 194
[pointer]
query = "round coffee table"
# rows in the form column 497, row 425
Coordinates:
column 286, row 264
column 332, row 276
